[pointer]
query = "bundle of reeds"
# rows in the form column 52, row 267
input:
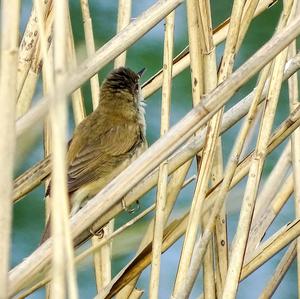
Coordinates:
column 47, row 47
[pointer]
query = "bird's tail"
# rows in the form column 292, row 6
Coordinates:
column 47, row 231
column 31, row 178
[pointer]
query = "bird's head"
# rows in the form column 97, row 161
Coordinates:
column 123, row 83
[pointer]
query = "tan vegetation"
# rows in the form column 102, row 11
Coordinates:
column 166, row 163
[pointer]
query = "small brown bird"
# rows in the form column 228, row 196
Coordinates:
column 106, row 141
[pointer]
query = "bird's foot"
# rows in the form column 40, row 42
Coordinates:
column 130, row 210
column 98, row 233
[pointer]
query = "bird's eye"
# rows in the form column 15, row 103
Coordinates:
column 136, row 86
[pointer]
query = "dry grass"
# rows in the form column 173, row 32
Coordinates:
column 166, row 163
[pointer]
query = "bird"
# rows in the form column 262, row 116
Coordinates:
column 107, row 140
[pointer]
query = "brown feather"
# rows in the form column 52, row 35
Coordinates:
column 108, row 139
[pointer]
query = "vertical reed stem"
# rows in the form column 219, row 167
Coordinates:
column 295, row 149
column 63, row 256
column 10, row 16
column 90, row 47
column 159, row 221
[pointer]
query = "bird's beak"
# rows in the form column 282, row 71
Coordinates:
column 141, row 72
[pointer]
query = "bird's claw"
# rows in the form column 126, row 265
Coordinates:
column 130, row 210
column 98, row 233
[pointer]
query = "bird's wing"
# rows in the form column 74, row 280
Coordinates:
column 99, row 155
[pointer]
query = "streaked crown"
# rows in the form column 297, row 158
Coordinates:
column 123, row 79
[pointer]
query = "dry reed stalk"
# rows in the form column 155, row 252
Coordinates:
column 288, row 122
column 47, row 140
column 180, row 290
column 221, row 225
column 295, row 147
column 102, row 258
column 63, row 260
column 135, row 30
column 241, row 236
column 79, row 115
column 210, row 82
column 202, row 242
column 174, row 187
column 48, row 76
column 110, row 196
column 106, row 239
column 28, row 45
column 93, row 248
column 251, row 134
column 231, row 41
column 183, row 219
column 136, row 294
column 32, row 56
column 209, row 71
column 249, row 9
column 279, row 273
column 280, row 134
column 124, row 16
column 90, row 48
column 10, row 16
column 25, row 98
column 220, row 234
column 195, row 45
column 102, row 263
column 77, row 98
column 274, row 141
column 155, row 83
column 48, row 80
column 117, row 280
column 43, row 44
column 194, row 68
column 273, row 245
column 196, row 60
column 34, row 176
column 182, row 60
column 145, row 263
column 57, row 117
column 162, row 183
column 267, row 216
column 48, row 86
column 102, row 273
column 270, row 188
column 171, row 234
column 273, row 182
